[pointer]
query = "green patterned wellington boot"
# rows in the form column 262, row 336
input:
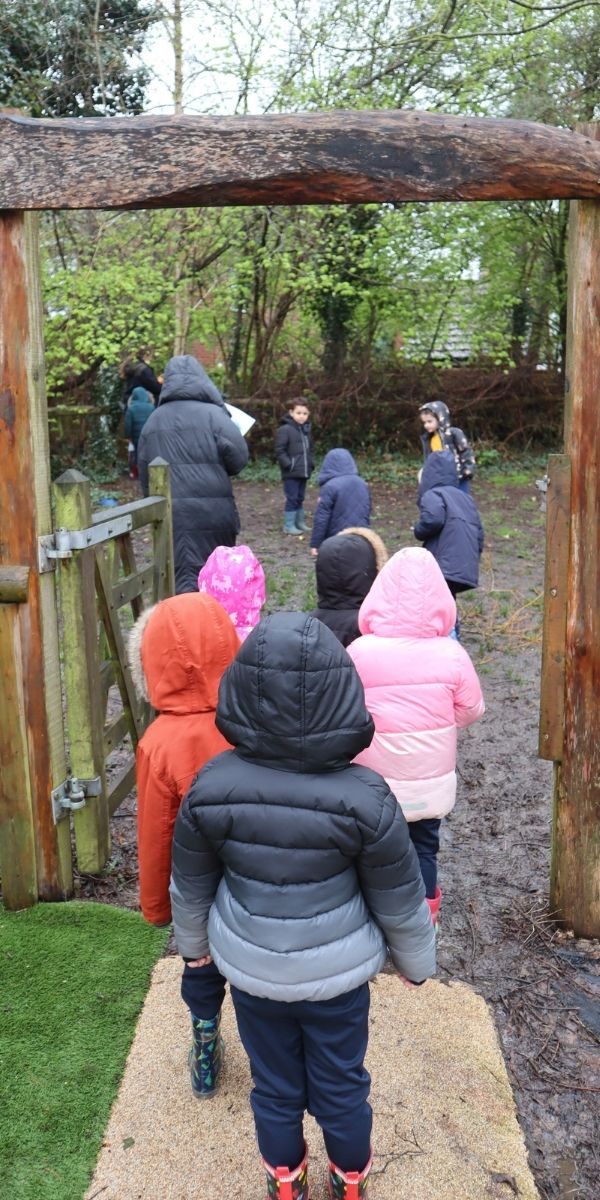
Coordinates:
column 349, row 1185
column 206, row 1056
column 283, row 1184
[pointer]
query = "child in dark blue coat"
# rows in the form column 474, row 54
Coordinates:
column 344, row 498
column 449, row 524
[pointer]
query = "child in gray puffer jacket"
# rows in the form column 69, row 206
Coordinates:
column 293, row 869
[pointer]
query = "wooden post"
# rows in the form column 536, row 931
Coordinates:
column 17, row 829
column 81, row 669
column 552, row 687
column 159, row 484
column 575, row 883
column 31, row 632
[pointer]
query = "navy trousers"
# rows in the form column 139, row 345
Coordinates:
column 203, row 989
column 294, row 494
column 425, row 837
column 308, row 1055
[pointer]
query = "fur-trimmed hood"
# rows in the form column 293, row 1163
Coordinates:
column 178, row 651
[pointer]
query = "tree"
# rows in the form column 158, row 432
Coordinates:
column 73, row 58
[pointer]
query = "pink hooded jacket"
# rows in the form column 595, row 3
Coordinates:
column 233, row 576
column 420, row 685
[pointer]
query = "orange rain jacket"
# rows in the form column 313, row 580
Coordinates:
column 178, row 651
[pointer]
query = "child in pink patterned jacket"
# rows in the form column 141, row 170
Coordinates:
column 420, row 688
column 233, row 576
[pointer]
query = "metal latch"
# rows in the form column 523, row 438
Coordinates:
column 542, row 486
column 63, row 542
column 72, row 794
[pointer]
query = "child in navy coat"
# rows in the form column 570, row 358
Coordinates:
column 449, row 524
column 344, row 498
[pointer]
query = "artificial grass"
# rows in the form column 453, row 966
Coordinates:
column 73, row 978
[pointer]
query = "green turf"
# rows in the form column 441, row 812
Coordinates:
column 72, row 982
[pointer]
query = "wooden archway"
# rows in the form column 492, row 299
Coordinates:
column 310, row 158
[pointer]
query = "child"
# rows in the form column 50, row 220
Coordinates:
column 441, row 435
column 294, row 453
column 449, row 524
column 345, row 569
column 293, row 869
column 420, row 687
column 234, row 576
column 178, row 651
column 344, row 498
column 139, row 408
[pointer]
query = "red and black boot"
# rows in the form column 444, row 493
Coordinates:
column 349, row 1185
column 434, row 905
column 283, row 1184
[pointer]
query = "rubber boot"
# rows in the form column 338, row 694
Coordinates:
column 206, row 1056
column 300, row 521
column 349, row 1185
column 283, row 1184
column 289, row 523
column 434, row 905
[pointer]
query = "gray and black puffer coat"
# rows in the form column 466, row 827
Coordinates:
column 291, row 866
column 192, row 430
column 453, row 439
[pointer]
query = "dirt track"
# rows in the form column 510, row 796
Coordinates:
column 494, row 862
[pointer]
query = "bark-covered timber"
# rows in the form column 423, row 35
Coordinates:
column 575, row 873
column 302, row 158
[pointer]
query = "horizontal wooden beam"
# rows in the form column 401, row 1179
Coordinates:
column 301, row 158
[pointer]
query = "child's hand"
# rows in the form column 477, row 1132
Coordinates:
column 313, row 552
column 407, row 982
column 201, row 962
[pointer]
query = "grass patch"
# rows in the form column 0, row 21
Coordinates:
column 74, row 977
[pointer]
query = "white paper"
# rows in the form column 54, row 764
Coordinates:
column 240, row 419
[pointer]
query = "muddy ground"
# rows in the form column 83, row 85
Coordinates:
column 496, row 932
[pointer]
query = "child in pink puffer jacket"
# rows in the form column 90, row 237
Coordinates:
column 420, row 688
column 233, row 576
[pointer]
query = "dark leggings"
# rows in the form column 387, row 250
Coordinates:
column 203, row 989
column 425, row 837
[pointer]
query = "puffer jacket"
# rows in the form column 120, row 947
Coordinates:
column 344, row 498
column 291, row 866
column 192, row 430
column 420, row 685
column 452, row 438
column 234, row 576
column 449, row 524
column 139, row 409
column 293, row 449
column 178, row 651
column 346, row 566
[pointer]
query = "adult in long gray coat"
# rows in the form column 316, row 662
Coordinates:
column 192, row 430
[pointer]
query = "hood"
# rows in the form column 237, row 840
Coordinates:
column 410, row 598
column 293, row 699
column 186, row 379
column 441, row 411
column 234, row 576
column 178, row 651
column 337, row 462
column 139, row 395
column 439, row 471
column 346, row 566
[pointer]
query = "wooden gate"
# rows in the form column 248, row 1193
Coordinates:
column 102, row 590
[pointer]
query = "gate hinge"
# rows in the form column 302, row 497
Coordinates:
column 72, row 794
column 63, row 542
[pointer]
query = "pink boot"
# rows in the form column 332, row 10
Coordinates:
column 348, row 1185
column 434, row 905
column 283, row 1184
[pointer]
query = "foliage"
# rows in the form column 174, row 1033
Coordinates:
column 67, row 58
column 67, row 1024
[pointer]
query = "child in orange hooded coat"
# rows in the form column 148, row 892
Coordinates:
column 178, row 651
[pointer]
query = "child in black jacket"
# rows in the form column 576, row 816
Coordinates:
column 347, row 566
column 439, row 435
column 449, row 524
column 294, row 453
